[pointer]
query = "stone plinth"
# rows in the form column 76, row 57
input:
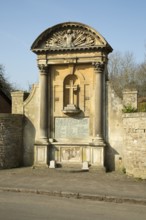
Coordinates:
column 41, row 155
column 130, row 98
column 77, row 153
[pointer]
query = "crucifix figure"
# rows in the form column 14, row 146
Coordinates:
column 71, row 88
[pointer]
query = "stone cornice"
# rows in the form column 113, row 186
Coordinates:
column 77, row 49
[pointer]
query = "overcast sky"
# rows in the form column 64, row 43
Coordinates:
column 121, row 22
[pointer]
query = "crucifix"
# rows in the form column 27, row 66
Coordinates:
column 71, row 88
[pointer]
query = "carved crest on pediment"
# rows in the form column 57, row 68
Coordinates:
column 71, row 38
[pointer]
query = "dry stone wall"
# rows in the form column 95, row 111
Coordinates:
column 10, row 140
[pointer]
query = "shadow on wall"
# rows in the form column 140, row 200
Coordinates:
column 110, row 155
column 29, row 132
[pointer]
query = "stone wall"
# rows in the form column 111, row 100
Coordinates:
column 28, row 105
column 124, row 133
column 134, row 154
column 10, row 140
column 31, row 120
column 114, row 130
column 18, row 98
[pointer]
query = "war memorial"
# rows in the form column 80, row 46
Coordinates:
column 73, row 117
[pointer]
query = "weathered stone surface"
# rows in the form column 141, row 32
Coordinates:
column 130, row 98
column 18, row 98
column 71, row 104
column 71, row 127
column 113, row 129
column 11, row 127
column 135, row 144
column 30, row 131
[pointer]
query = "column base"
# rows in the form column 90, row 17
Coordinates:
column 41, row 154
column 98, row 148
column 98, row 140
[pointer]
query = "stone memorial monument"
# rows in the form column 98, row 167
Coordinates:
column 72, row 59
column 72, row 117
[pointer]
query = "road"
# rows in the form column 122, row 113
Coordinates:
column 20, row 206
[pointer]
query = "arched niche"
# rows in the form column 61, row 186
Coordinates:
column 71, row 94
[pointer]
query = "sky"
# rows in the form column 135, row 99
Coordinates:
column 121, row 22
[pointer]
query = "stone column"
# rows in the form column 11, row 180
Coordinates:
column 98, row 104
column 97, row 157
column 41, row 145
column 43, row 102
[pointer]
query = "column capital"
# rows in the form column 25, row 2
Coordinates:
column 99, row 66
column 43, row 68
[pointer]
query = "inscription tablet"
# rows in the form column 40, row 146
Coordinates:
column 71, row 127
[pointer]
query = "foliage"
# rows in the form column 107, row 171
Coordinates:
column 128, row 109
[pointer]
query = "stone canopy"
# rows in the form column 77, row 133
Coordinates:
column 70, row 36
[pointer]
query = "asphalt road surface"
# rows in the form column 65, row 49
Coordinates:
column 20, row 206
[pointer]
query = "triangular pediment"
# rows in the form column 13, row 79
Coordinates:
column 69, row 36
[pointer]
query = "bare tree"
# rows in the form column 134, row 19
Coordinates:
column 124, row 72
column 5, row 85
column 141, row 79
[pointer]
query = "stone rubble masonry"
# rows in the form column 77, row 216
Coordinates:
column 135, row 144
column 134, row 138
column 125, row 135
column 10, row 140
